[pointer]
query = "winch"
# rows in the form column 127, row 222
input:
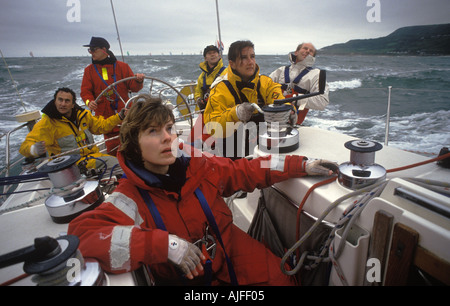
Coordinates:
column 56, row 262
column 73, row 193
column 361, row 170
column 279, row 136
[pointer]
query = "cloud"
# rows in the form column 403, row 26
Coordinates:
column 189, row 25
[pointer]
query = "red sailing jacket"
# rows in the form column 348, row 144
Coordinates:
column 121, row 233
column 92, row 85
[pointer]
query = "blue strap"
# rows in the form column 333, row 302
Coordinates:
column 287, row 79
column 114, row 107
column 212, row 222
column 153, row 210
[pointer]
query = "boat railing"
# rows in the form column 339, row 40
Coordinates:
column 8, row 164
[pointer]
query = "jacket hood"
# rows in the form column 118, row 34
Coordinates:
column 308, row 61
column 51, row 110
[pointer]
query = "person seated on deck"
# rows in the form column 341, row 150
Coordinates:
column 234, row 95
column 211, row 68
column 66, row 126
column 170, row 204
column 301, row 78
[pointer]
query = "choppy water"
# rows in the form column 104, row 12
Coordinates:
column 420, row 102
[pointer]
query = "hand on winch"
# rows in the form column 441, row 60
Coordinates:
column 320, row 167
column 244, row 111
column 38, row 149
column 186, row 256
column 123, row 113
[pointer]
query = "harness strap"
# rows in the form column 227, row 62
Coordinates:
column 153, row 210
column 212, row 222
column 287, row 80
column 206, row 87
column 114, row 107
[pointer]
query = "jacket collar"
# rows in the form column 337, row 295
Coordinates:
column 51, row 111
column 173, row 181
column 204, row 66
column 111, row 59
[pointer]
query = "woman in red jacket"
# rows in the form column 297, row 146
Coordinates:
column 171, row 201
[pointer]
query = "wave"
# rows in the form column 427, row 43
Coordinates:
column 351, row 84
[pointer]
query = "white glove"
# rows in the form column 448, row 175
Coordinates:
column 38, row 149
column 320, row 167
column 244, row 111
column 185, row 256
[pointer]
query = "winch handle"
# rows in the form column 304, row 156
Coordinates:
column 42, row 247
column 322, row 81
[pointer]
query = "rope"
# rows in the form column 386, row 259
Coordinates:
column 347, row 219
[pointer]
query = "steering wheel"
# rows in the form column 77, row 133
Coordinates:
column 190, row 119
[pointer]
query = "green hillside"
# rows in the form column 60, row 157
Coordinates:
column 413, row 40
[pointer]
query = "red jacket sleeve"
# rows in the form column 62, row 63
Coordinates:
column 262, row 172
column 115, row 235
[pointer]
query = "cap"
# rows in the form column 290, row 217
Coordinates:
column 98, row 42
column 210, row 48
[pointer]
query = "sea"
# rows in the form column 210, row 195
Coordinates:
column 359, row 87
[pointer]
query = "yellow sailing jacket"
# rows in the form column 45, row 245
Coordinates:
column 61, row 134
column 221, row 107
column 209, row 77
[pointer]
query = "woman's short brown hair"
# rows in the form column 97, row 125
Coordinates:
column 145, row 112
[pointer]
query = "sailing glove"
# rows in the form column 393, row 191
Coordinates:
column 38, row 149
column 185, row 256
column 244, row 111
column 123, row 113
column 320, row 167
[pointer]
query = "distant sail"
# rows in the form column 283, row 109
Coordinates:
column 31, row 54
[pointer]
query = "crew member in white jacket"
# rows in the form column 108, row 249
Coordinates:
column 301, row 78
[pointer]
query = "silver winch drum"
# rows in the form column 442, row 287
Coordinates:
column 76, row 195
column 277, row 135
column 361, row 170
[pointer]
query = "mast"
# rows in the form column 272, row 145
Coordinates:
column 117, row 30
column 218, row 26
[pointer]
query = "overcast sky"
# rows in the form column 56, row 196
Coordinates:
column 187, row 26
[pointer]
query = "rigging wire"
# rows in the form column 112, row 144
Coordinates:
column 13, row 82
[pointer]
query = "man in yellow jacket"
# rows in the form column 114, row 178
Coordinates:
column 211, row 68
column 234, row 94
column 66, row 126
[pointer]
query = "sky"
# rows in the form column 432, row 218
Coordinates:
column 61, row 27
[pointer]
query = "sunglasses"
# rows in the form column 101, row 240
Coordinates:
column 93, row 49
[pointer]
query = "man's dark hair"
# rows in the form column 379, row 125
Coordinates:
column 234, row 52
column 65, row 89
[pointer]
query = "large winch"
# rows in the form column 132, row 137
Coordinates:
column 279, row 136
column 361, row 170
column 73, row 194
column 56, row 262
